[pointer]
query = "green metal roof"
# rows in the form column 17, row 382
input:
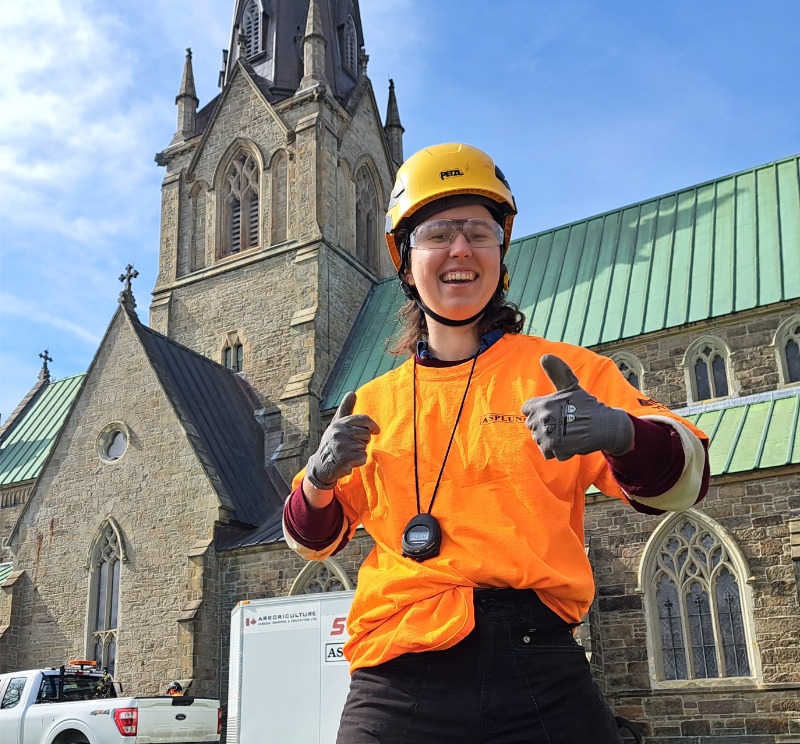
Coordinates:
column 753, row 436
column 5, row 571
column 761, row 433
column 721, row 247
column 26, row 446
column 365, row 354
column 703, row 252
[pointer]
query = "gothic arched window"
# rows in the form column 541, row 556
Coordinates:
column 280, row 198
column 240, row 192
column 707, row 366
column 350, row 45
column 787, row 347
column 698, row 618
column 234, row 357
column 366, row 217
column 251, row 27
column 233, row 352
column 197, row 238
column 630, row 368
column 321, row 576
column 105, row 567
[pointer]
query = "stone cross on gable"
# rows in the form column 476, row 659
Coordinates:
column 44, row 374
column 126, row 296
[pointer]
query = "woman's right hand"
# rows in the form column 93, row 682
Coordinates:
column 343, row 445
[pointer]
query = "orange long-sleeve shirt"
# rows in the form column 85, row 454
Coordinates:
column 509, row 517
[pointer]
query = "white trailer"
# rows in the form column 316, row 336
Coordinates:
column 288, row 675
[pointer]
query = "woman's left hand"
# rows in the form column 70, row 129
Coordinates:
column 571, row 422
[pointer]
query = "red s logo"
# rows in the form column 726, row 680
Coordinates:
column 339, row 624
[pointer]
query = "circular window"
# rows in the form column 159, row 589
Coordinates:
column 113, row 442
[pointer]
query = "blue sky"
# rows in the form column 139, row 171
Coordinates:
column 587, row 106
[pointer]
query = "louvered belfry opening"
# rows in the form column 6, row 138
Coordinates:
column 241, row 190
column 251, row 26
column 350, row 45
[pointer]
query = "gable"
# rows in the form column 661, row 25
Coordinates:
column 120, row 391
column 261, row 125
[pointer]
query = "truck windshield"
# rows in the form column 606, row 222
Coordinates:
column 71, row 686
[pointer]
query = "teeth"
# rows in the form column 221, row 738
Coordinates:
column 458, row 276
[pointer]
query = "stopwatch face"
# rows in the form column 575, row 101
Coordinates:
column 422, row 538
column 418, row 535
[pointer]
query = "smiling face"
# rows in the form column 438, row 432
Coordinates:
column 457, row 281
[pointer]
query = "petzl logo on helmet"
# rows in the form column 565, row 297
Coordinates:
column 451, row 173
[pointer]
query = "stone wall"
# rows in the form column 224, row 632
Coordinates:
column 12, row 499
column 748, row 335
column 294, row 303
column 162, row 502
column 752, row 510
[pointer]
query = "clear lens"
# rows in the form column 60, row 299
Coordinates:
column 440, row 233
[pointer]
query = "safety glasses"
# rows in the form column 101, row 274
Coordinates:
column 435, row 234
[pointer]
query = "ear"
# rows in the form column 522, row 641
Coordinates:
column 408, row 277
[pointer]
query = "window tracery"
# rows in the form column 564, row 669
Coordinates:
column 366, row 217
column 787, row 348
column 233, row 352
column 280, row 195
column 251, row 27
column 350, row 45
column 105, row 591
column 630, row 368
column 240, row 194
column 696, row 610
column 707, row 366
column 321, row 576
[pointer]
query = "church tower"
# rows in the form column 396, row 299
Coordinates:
column 272, row 206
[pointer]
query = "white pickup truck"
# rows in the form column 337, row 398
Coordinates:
column 77, row 705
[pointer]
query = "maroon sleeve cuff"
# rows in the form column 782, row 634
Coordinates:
column 316, row 529
column 655, row 463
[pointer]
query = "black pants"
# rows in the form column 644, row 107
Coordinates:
column 518, row 678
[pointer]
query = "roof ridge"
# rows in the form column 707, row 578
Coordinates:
column 746, row 400
column 178, row 345
column 23, row 406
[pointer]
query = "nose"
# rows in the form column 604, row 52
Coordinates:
column 459, row 245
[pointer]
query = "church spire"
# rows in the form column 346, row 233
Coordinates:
column 393, row 128
column 187, row 102
column 314, row 44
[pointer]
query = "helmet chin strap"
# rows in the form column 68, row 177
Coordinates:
column 412, row 294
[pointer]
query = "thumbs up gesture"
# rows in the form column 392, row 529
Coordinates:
column 571, row 422
column 343, row 445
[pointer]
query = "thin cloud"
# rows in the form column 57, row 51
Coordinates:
column 65, row 123
column 13, row 306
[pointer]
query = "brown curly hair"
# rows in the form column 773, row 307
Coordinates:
column 499, row 313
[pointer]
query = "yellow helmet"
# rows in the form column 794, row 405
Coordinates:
column 441, row 172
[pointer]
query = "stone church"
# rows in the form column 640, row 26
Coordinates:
column 141, row 500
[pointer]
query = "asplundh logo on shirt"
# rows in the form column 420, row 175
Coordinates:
column 502, row 418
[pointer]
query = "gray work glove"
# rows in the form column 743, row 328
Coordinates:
column 571, row 422
column 343, row 445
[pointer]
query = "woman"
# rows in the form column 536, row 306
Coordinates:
column 468, row 465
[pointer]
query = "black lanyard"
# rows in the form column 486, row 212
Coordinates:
column 422, row 537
